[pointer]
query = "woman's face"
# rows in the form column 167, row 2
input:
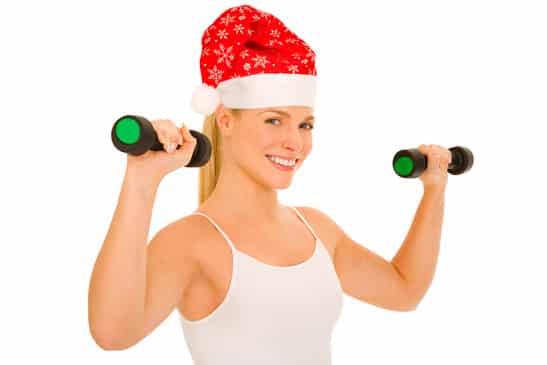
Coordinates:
column 284, row 132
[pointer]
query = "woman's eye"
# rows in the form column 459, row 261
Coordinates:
column 310, row 126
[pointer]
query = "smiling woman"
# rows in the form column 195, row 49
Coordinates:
column 257, row 96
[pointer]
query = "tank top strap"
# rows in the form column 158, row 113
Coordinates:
column 305, row 222
column 218, row 228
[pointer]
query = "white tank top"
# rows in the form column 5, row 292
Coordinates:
column 282, row 315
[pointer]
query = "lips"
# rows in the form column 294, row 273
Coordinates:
column 285, row 158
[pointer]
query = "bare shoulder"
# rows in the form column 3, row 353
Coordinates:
column 323, row 223
column 182, row 236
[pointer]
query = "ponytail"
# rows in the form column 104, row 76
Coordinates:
column 209, row 173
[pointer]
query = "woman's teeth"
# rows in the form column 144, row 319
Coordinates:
column 282, row 161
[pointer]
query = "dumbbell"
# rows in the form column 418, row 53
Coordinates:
column 411, row 163
column 135, row 135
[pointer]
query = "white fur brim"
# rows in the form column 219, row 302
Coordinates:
column 257, row 91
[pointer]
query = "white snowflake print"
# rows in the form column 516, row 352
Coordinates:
column 310, row 55
column 256, row 17
column 291, row 40
column 238, row 29
column 241, row 17
column 206, row 51
column 225, row 55
column 222, row 34
column 293, row 68
column 273, row 42
column 260, row 61
column 244, row 54
column 227, row 19
column 215, row 74
column 250, row 31
column 206, row 40
column 275, row 33
column 304, row 61
column 247, row 66
column 296, row 55
column 241, row 9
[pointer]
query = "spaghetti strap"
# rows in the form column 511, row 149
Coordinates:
column 219, row 229
column 305, row 221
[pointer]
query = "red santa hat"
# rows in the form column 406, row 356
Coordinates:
column 250, row 59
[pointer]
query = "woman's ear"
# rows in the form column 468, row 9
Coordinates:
column 224, row 119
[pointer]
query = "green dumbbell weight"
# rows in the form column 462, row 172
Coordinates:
column 135, row 135
column 411, row 163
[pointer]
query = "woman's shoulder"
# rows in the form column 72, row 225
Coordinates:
column 321, row 222
column 190, row 225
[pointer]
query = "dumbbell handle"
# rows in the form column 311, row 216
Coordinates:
column 135, row 135
column 411, row 163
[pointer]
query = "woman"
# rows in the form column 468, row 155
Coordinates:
column 254, row 281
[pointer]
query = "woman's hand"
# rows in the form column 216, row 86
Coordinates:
column 435, row 175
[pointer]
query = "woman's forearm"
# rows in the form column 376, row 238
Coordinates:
column 417, row 258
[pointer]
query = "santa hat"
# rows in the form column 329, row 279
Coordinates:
column 250, row 59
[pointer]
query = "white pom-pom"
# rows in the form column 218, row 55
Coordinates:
column 205, row 99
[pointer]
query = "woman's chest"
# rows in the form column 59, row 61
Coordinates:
column 282, row 247
column 278, row 247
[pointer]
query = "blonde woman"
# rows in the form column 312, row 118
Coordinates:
column 253, row 281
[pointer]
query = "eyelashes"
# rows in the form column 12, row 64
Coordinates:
column 310, row 126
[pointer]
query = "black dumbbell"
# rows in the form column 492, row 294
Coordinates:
column 411, row 163
column 135, row 135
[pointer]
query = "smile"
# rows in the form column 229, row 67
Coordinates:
column 281, row 166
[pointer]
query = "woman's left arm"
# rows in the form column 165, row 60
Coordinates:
column 416, row 260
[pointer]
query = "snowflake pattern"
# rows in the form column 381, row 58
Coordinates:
column 261, row 46
column 244, row 54
column 215, row 74
column 238, row 29
column 260, row 61
column 227, row 20
column 273, row 42
column 222, row 34
column 225, row 55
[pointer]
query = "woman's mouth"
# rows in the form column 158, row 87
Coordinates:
column 282, row 165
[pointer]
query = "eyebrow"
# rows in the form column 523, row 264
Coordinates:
column 284, row 113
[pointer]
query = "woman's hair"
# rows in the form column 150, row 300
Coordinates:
column 208, row 173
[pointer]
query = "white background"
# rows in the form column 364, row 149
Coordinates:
column 393, row 75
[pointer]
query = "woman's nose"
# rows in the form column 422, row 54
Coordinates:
column 293, row 140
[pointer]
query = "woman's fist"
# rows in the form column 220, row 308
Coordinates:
column 178, row 146
column 436, row 174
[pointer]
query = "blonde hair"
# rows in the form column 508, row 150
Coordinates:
column 209, row 173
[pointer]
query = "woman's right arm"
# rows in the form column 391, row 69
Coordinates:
column 135, row 286
column 127, row 271
column 117, row 285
